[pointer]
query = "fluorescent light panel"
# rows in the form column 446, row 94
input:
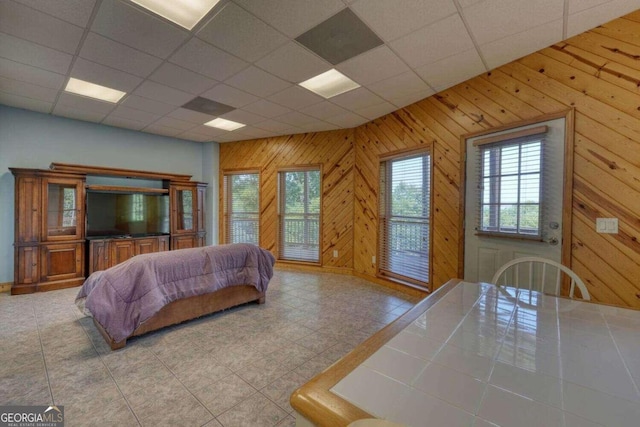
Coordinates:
column 224, row 124
column 186, row 13
column 92, row 90
column 330, row 84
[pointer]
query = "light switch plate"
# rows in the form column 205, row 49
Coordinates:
column 335, row 254
column 607, row 225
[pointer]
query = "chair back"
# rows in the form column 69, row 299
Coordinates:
column 536, row 279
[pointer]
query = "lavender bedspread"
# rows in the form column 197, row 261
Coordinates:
column 123, row 297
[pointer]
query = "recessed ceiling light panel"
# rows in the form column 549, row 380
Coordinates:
column 330, row 84
column 224, row 124
column 186, row 13
column 92, row 90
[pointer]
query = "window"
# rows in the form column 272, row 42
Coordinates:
column 405, row 193
column 137, row 207
column 242, row 207
column 511, row 186
column 69, row 207
column 299, row 208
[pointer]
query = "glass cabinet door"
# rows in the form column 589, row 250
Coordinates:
column 63, row 209
column 185, row 210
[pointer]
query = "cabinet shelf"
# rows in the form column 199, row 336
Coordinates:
column 119, row 189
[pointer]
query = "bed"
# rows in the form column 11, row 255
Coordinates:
column 152, row 291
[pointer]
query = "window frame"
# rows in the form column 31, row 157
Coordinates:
column 387, row 274
column 517, row 138
column 280, row 213
column 227, row 201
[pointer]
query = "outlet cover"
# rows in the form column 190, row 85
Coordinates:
column 373, row 259
column 335, row 254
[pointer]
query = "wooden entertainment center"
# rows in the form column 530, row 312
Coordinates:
column 52, row 249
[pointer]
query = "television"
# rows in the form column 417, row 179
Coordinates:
column 112, row 213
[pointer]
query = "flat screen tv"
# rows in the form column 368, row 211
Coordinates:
column 135, row 214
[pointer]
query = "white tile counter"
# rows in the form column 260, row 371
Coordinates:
column 483, row 355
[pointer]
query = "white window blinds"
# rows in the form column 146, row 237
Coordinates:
column 242, row 208
column 299, row 208
column 511, row 186
column 405, row 196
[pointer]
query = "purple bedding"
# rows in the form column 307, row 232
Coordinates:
column 123, row 297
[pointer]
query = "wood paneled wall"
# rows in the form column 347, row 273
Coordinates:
column 335, row 152
column 597, row 73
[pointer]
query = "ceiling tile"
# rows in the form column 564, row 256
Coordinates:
column 116, row 55
column 82, row 103
column 28, row 90
column 323, row 110
column 148, row 105
column 29, row 53
column 244, row 117
column 255, row 132
column 296, row 119
column 26, row 103
column 376, row 111
column 339, row 38
column 292, row 17
column 452, row 70
column 133, row 114
column 319, row 127
column 495, row 19
column 105, row 76
column 162, row 130
column 166, row 94
column 295, row 98
column 127, row 24
column 181, row 78
column 348, row 120
column 194, row 136
column 518, row 45
column 236, row 30
column 266, row 108
column 436, row 41
column 391, row 20
column 375, row 65
column 580, row 5
column 230, row 95
column 75, row 11
column 272, row 125
column 293, row 63
column 403, row 101
column 170, row 122
column 257, row 82
column 123, row 122
column 22, row 21
column 29, row 74
column 78, row 113
column 208, row 60
column 190, row 116
column 357, row 99
column 591, row 18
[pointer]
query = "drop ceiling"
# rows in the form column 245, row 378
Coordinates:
column 249, row 56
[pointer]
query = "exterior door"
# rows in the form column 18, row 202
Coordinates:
column 486, row 252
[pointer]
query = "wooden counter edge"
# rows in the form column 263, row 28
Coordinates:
column 315, row 401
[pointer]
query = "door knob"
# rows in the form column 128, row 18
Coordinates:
column 553, row 241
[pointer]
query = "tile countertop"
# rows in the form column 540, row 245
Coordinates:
column 478, row 355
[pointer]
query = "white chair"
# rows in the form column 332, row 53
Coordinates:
column 540, row 282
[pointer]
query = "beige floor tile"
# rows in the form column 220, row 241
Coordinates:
column 255, row 411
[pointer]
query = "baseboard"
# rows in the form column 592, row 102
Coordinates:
column 282, row 265
column 409, row 290
column 6, row 287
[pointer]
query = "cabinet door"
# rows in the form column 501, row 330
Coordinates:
column 184, row 242
column 163, row 243
column 202, row 198
column 27, row 209
column 27, row 265
column 121, row 250
column 63, row 207
column 98, row 255
column 146, row 246
column 184, row 209
column 61, row 261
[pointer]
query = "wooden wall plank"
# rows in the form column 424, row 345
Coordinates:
column 594, row 72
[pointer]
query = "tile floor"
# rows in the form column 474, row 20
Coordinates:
column 235, row 368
